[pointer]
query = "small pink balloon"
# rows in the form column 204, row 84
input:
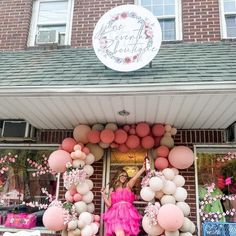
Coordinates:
column 132, row 131
column 72, row 190
column 86, row 150
column 147, row 142
column 126, row 128
column 142, row 129
column 181, row 157
column 170, row 217
column 133, row 141
column 107, row 136
column 58, row 159
column 120, row 136
column 162, row 151
column 158, row 130
column 94, row 136
column 97, row 218
column 77, row 197
column 123, row 148
column 68, row 144
column 49, row 218
column 161, row 163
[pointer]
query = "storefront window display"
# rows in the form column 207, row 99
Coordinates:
column 216, row 177
column 26, row 183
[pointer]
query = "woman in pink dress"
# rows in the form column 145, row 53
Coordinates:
column 121, row 218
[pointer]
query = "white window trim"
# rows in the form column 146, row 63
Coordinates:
column 34, row 20
column 223, row 28
column 177, row 16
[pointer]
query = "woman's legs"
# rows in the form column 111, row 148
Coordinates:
column 120, row 232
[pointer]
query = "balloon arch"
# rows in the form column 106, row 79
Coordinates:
column 166, row 213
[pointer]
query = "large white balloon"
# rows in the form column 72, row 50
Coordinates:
column 186, row 227
column 179, row 180
column 184, row 207
column 72, row 225
column 180, row 194
column 86, row 217
column 89, row 170
column 80, row 207
column 87, row 231
column 147, row 194
column 82, row 188
column 156, row 183
column 81, row 224
column 89, row 182
column 193, row 228
column 168, row 173
column 151, row 230
column 95, row 228
column 169, row 187
column 167, row 199
column 88, row 197
column 185, row 234
column 91, row 207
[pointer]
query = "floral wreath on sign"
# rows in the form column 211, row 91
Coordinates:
column 148, row 34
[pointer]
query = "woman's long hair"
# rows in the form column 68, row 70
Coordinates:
column 115, row 182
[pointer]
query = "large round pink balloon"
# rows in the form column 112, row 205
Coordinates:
column 170, row 217
column 68, row 144
column 120, row 136
column 80, row 133
column 142, row 129
column 58, row 159
column 133, row 142
column 181, row 157
column 107, row 136
column 147, row 142
column 158, row 130
column 53, row 218
column 94, row 136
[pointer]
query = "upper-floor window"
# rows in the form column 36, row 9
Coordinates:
column 51, row 22
column 228, row 18
column 168, row 15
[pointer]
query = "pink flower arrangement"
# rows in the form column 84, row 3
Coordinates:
column 151, row 212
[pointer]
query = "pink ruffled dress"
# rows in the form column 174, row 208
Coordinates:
column 122, row 214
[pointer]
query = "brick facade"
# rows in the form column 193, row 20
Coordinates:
column 200, row 21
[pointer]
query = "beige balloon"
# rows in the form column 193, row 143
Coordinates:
column 80, row 133
column 96, row 150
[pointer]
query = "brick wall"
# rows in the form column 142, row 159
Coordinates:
column 86, row 15
column 15, row 17
column 201, row 21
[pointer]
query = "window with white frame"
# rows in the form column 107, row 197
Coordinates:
column 228, row 14
column 168, row 15
column 51, row 22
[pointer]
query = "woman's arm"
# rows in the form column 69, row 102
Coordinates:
column 105, row 198
column 133, row 180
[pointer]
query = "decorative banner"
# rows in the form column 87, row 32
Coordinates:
column 127, row 38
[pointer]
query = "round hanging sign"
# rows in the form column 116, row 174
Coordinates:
column 127, row 38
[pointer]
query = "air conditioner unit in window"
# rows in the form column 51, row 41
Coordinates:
column 17, row 130
column 47, row 37
column 231, row 133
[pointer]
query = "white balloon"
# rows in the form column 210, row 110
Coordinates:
column 180, row 194
column 88, row 197
column 186, row 227
column 111, row 126
column 185, row 234
column 167, row 199
column 176, row 171
column 89, row 159
column 87, row 231
column 78, row 163
column 168, row 173
column 86, row 217
column 89, row 170
column 91, row 207
column 184, row 207
column 72, row 225
column 147, row 194
column 89, row 182
column 156, row 183
column 82, row 188
column 169, row 187
column 172, row 233
column 151, row 230
column 95, row 228
column 179, row 180
column 80, row 207
column 193, row 228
